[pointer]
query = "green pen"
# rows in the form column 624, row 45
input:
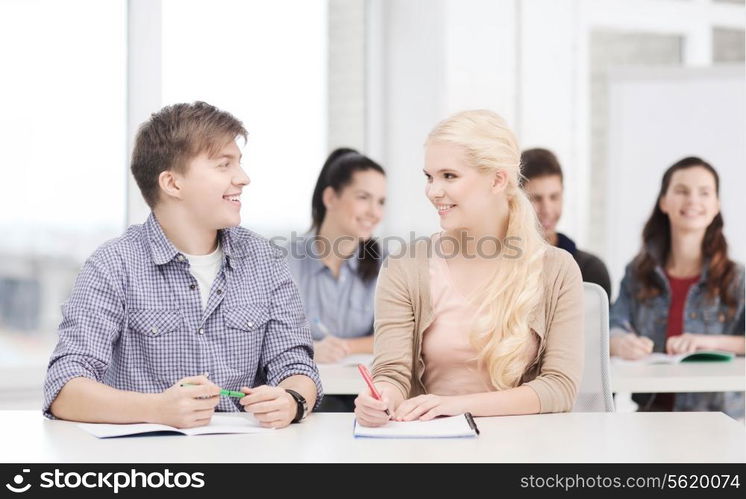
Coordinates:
column 225, row 393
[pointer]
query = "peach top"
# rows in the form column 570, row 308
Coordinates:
column 450, row 360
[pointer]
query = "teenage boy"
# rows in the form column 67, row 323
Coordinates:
column 162, row 318
column 543, row 182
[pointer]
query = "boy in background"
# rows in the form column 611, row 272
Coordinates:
column 543, row 182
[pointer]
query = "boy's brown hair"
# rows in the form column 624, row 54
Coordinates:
column 175, row 135
column 539, row 162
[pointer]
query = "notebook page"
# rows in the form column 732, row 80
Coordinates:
column 227, row 424
column 218, row 424
column 103, row 430
column 448, row 427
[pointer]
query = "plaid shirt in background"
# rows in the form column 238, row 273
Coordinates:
column 134, row 320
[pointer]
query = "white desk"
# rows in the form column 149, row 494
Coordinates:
column 676, row 378
column 625, row 377
column 572, row 437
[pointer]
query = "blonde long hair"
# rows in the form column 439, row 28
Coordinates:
column 501, row 329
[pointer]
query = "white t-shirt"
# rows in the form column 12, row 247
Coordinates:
column 205, row 269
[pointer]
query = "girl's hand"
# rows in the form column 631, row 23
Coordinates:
column 427, row 407
column 687, row 343
column 631, row 347
column 372, row 412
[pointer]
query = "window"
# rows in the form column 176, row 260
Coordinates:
column 62, row 187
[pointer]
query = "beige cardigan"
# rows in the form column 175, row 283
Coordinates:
column 403, row 311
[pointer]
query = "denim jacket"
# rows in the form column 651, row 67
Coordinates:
column 703, row 316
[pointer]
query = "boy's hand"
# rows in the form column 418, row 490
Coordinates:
column 272, row 406
column 187, row 406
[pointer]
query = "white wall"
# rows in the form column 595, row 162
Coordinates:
column 523, row 60
column 411, row 97
column 266, row 63
column 528, row 60
column 143, row 86
column 433, row 57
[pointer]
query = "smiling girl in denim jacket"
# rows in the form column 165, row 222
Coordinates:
column 682, row 293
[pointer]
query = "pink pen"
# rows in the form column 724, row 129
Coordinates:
column 369, row 381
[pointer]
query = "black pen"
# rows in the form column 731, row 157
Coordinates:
column 472, row 423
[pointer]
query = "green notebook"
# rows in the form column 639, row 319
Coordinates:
column 700, row 356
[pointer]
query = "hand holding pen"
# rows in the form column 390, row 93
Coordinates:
column 631, row 346
column 330, row 349
column 371, row 407
column 190, row 402
column 223, row 393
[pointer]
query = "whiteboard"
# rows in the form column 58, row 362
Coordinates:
column 656, row 117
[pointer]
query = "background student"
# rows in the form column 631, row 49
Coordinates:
column 188, row 292
column 484, row 317
column 336, row 264
column 682, row 293
column 544, row 184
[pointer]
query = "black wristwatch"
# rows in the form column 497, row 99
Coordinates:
column 302, row 406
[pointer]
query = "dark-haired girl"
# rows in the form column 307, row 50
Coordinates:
column 336, row 264
column 682, row 293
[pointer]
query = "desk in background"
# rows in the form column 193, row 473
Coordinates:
column 626, row 377
column 344, row 378
column 635, row 377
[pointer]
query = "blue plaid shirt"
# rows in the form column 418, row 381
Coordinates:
column 134, row 320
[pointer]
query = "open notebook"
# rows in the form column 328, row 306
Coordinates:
column 462, row 425
column 218, row 424
column 700, row 356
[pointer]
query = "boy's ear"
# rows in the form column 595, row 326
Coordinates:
column 169, row 184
